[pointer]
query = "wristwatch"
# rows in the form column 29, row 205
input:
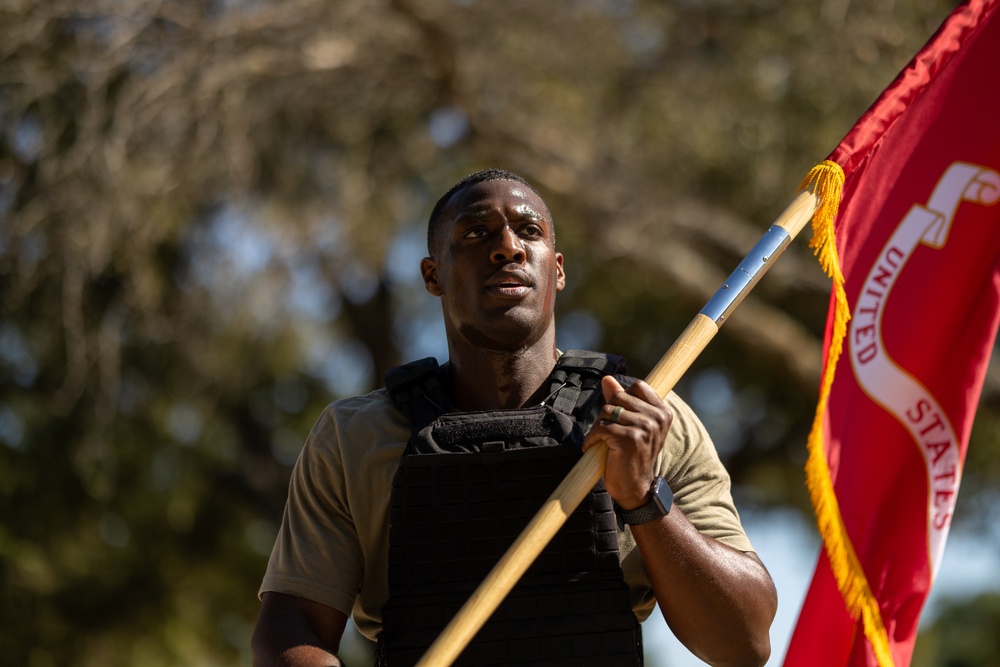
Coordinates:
column 660, row 502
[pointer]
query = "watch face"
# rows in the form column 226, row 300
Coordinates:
column 663, row 497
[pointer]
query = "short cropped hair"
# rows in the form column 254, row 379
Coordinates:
column 436, row 221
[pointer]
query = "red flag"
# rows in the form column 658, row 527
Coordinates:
column 917, row 242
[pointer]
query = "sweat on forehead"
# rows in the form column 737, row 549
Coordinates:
column 436, row 220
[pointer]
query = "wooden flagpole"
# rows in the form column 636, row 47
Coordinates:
column 590, row 468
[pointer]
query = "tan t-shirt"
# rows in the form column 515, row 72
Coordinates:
column 333, row 543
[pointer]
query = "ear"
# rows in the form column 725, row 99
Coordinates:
column 428, row 269
column 560, row 273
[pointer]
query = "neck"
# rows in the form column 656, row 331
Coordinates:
column 485, row 379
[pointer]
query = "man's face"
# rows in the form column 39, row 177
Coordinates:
column 495, row 266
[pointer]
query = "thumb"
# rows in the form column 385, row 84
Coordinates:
column 610, row 386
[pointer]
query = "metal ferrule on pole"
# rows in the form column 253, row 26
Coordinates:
column 746, row 275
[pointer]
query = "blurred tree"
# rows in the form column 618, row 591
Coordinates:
column 964, row 635
column 212, row 214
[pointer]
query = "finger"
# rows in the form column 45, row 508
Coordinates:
column 640, row 397
column 617, row 414
column 641, row 389
column 616, row 401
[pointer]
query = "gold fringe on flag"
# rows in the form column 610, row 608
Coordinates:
column 826, row 180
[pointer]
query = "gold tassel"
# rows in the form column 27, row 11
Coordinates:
column 827, row 180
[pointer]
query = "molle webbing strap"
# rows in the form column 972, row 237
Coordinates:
column 453, row 516
column 577, row 377
column 471, row 432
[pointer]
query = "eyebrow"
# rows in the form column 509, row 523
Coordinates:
column 519, row 212
column 479, row 213
column 527, row 212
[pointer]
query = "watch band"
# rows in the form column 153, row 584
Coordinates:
column 660, row 502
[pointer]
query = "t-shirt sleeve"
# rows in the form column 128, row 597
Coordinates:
column 700, row 483
column 317, row 554
column 701, row 487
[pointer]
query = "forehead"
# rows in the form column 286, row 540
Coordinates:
column 495, row 196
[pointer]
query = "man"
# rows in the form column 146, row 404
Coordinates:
column 494, row 266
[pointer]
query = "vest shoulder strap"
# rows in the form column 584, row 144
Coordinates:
column 418, row 389
column 576, row 382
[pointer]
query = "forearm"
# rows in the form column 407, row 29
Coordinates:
column 718, row 601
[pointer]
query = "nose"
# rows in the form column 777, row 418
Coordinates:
column 508, row 247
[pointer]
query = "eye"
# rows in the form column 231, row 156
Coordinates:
column 532, row 229
column 474, row 233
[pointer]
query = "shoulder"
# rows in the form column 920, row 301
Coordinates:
column 359, row 424
column 688, row 444
column 700, row 482
column 372, row 410
column 686, row 423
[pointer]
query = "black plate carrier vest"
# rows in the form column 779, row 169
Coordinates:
column 466, row 486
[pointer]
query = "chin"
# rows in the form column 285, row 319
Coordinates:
column 502, row 338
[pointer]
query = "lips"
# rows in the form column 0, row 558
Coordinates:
column 509, row 284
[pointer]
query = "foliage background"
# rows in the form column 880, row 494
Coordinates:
column 211, row 215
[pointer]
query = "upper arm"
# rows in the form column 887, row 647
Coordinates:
column 288, row 625
column 699, row 480
column 317, row 553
